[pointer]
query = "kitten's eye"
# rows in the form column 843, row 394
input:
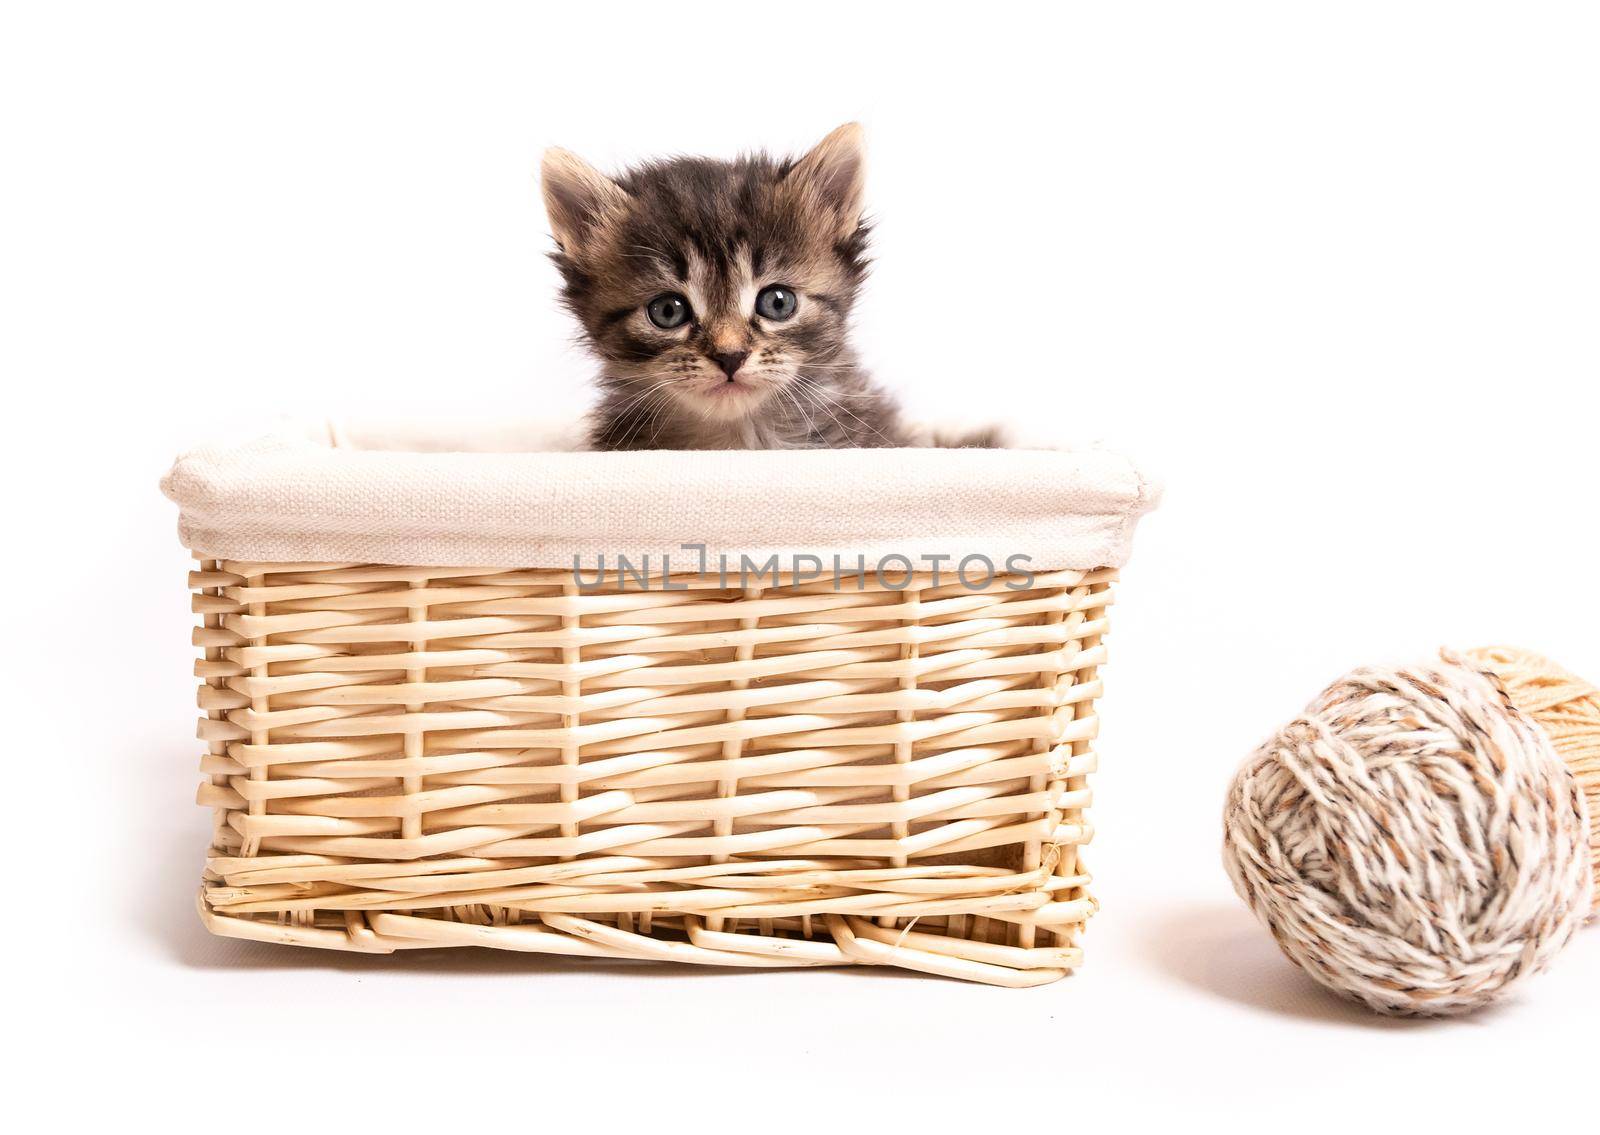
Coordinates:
column 777, row 302
column 668, row 310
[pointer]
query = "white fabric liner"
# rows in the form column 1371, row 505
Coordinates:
column 520, row 495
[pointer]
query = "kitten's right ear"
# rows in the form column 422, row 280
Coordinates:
column 577, row 198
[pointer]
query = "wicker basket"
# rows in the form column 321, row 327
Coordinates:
column 887, row 768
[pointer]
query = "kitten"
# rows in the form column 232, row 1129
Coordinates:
column 717, row 296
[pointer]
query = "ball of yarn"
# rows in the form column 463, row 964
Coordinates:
column 1412, row 840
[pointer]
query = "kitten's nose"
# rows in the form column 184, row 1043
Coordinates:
column 730, row 361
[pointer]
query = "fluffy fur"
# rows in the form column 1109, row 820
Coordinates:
column 716, row 233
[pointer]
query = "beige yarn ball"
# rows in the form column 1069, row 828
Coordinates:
column 1412, row 840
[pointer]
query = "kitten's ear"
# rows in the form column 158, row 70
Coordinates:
column 577, row 197
column 833, row 174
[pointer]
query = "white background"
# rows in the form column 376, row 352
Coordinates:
column 1331, row 269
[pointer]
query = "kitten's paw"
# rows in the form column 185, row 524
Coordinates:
column 960, row 435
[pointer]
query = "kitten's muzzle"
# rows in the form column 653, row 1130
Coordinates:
column 730, row 361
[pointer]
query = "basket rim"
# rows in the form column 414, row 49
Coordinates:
column 450, row 497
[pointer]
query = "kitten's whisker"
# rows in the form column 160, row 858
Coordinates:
column 655, row 434
column 642, row 414
column 821, row 395
column 636, row 420
column 647, row 417
column 876, row 431
column 630, row 403
column 789, row 396
column 816, row 394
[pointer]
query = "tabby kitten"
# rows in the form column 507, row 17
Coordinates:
column 717, row 296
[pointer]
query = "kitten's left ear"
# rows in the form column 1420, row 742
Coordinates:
column 833, row 174
column 577, row 198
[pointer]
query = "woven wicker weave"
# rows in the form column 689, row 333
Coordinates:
column 790, row 776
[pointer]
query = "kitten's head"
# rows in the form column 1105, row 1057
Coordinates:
column 713, row 283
